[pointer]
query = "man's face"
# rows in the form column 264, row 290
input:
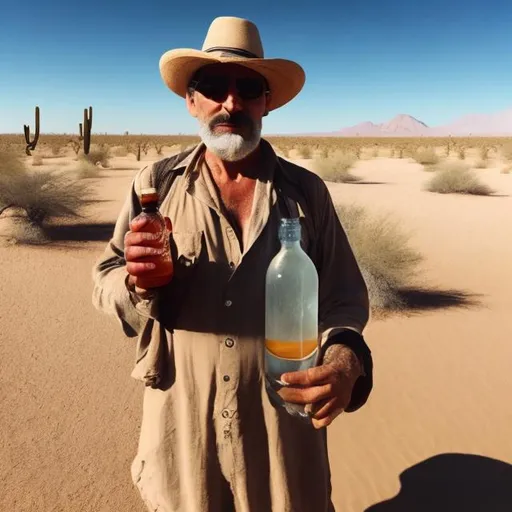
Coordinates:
column 229, row 102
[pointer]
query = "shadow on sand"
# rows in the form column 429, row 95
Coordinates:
column 425, row 299
column 99, row 232
column 451, row 482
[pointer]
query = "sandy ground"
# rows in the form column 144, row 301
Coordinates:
column 441, row 403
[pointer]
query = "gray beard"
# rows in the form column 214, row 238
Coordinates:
column 230, row 147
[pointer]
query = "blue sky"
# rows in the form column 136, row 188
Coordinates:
column 435, row 60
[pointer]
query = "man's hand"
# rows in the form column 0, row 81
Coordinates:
column 325, row 390
column 143, row 251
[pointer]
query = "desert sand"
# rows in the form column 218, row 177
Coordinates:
column 441, row 402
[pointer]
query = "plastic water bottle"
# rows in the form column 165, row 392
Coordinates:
column 291, row 313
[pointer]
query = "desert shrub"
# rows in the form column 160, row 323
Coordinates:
column 55, row 148
column 481, row 164
column 304, row 151
column 507, row 169
column 426, row 156
column 37, row 160
column 506, row 150
column 461, row 151
column 453, row 180
column 336, row 168
column 383, row 252
column 119, row 151
column 97, row 155
column 85, row 169
column 43, row 194
column 484, row 153
column 10, row 164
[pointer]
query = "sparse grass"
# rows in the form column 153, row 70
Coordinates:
column 426, row 156
column 461, row 180
column 336, row 168
column 40, row 195
column 383, row 252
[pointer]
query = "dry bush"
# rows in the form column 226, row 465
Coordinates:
column 461, row 152
column 461, row 180
column 85, row 169
column 41, row 195
column 506, row 150
column 11, row 166
column 119, row 151
column 484, row 153
column 481, row 164
column 304, row 151
column 507, row 169
column 383, row 252
column 336, row 168
column 426, row 156
column 37, row 160
column 97, row 155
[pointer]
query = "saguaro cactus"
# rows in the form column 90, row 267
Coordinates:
column 31, row 145
column 87, row 130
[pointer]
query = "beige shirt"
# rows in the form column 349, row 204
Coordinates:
column 207, row 419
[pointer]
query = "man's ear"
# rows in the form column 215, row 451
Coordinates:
column 191, row 104
column 268, row 97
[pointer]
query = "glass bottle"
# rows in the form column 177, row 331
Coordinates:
column 155, row 224
column 291, row 313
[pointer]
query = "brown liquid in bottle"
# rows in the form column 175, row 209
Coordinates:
column 291, row 349
column 156, row 224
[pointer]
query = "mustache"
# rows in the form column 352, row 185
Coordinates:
column 238, row 119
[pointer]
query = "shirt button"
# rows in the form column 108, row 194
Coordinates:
column 231, row 264
column 226, row 378
column 228, row 303
column 225, row 413
column 229, row 342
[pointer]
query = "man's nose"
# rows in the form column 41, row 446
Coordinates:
column 232, row 103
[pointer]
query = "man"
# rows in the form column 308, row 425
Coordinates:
column 211, row 440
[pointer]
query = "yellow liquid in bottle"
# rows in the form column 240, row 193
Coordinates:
column 291, row 349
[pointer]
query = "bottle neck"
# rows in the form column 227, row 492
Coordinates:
column 150, row 208
column 289, row 232
column 290, row 244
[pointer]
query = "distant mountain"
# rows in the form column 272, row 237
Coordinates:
column 495, row 124
column 404, row 125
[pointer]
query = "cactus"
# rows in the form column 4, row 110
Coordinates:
column 81, row 133
column 87, row 130
column 31, row 145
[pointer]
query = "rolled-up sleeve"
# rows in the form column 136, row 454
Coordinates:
column 343, row 295
column 111, row 293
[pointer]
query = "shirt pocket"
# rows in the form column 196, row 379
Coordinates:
column 186, row 249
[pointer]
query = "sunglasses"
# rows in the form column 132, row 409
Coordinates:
column 216, row 88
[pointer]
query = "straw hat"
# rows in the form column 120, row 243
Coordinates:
column 233, row 40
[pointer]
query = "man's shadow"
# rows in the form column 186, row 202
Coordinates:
column 453, row 482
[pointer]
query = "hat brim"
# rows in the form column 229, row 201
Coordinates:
column 285, row 78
